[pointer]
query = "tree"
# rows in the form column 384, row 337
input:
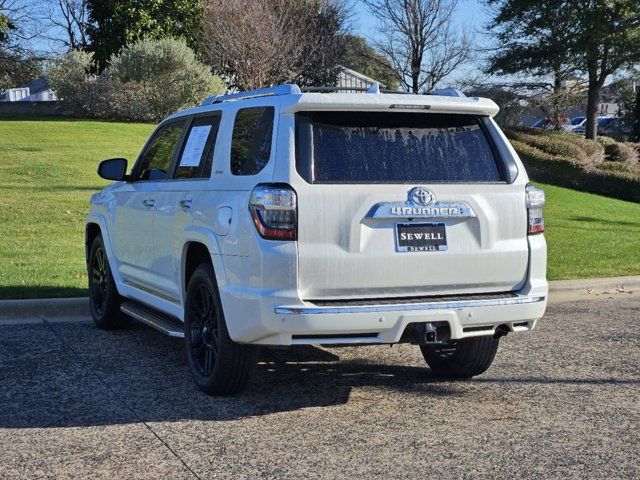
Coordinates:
column 17, row 64
column 419, row 41
column 606, row 39
column 266, row 42
column 116, row 23
column 513, row 105
column 361, row 57
column 532, row 44
column 65, row 22
column 558, row 37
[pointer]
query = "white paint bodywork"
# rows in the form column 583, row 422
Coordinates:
column 267, row 287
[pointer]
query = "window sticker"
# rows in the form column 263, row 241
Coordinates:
column 195, row 146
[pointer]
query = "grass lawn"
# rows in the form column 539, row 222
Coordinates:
column 589, row 235
column 48, row 172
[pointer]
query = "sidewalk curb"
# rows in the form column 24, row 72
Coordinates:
column 583, row 284
column 14, row 311
column 50, row 308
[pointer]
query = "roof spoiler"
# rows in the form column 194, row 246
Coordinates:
column 447, row 92
column 289, row 89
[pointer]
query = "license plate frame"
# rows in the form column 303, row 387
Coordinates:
column 418, row 245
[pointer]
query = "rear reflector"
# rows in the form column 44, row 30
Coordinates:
column 273, row 209
column 535, row 202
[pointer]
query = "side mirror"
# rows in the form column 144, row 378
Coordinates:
column 113, row 169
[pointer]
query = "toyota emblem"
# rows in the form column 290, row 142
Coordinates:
column 421, row 196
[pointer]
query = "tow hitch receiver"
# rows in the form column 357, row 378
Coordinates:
column 425, row 333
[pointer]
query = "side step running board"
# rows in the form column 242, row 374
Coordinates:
column 156, row 320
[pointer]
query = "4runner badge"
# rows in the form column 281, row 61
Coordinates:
column 421, row 203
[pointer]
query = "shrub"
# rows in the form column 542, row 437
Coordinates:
column 151, row 79
column 146, row 81
column 561, row 144
column 614, row 179
column 69, row 77
column 618, row 151
column 616, row 167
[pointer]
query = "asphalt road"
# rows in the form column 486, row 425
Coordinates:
column 560, row 402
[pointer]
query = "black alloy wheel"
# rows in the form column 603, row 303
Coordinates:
column 219, row 366
column 99, row 281
column 203, row 330
column 104, row 299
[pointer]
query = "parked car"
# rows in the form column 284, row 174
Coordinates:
column 281, row 217
column 613, row 127
column 575, row 123
column 541, row 124
column 608, row 126
column 547, row 124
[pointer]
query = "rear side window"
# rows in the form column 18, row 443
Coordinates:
column 196, row 157
column 394, row 147
column 251, row 141
column 156, row 159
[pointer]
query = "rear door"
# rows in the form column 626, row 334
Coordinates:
column 403, row 204
column 177, row 199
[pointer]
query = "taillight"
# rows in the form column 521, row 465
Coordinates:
column 535, row 202
column 274, row 208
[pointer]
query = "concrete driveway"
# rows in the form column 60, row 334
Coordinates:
column 561, row 402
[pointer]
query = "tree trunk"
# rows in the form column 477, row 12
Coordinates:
column 415, row 80
column 593, row 101
column 636, row 117
column 556, row 114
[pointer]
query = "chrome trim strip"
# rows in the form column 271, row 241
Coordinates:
column 409, row 307
column 151, row 290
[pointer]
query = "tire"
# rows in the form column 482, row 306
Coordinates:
column 461, row 359
column 103, row 296
column 219, row 366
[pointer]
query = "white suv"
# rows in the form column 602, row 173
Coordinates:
column 286, row 217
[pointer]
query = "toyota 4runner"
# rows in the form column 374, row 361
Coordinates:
column 284, row 216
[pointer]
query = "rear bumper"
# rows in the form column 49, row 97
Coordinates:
column 305, row 323
column 277, row 316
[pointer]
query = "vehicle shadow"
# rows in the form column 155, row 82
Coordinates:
column 72, row 374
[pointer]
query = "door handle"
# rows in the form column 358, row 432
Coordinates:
column 185, row 203
column 149, row 202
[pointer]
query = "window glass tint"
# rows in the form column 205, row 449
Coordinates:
column 380, row 147
column 197, row 152
column 157, row 158
column 251, row 142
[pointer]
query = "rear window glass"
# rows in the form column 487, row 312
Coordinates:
column 251, row 142
column 381, row 147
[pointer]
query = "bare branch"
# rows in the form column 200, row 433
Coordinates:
column 418, row 39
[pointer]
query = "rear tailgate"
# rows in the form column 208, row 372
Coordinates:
column 397, row 204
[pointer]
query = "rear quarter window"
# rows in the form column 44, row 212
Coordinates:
column 251, row 140
column 394, row 147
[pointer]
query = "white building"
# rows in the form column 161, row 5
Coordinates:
column 350, row 78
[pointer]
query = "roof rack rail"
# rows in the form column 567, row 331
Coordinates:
column 289, row 89
column 348, row 89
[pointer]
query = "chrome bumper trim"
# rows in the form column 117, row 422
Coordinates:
column 521, row 300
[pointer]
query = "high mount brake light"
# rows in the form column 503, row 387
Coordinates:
column 535, row 202
column 274, row 210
